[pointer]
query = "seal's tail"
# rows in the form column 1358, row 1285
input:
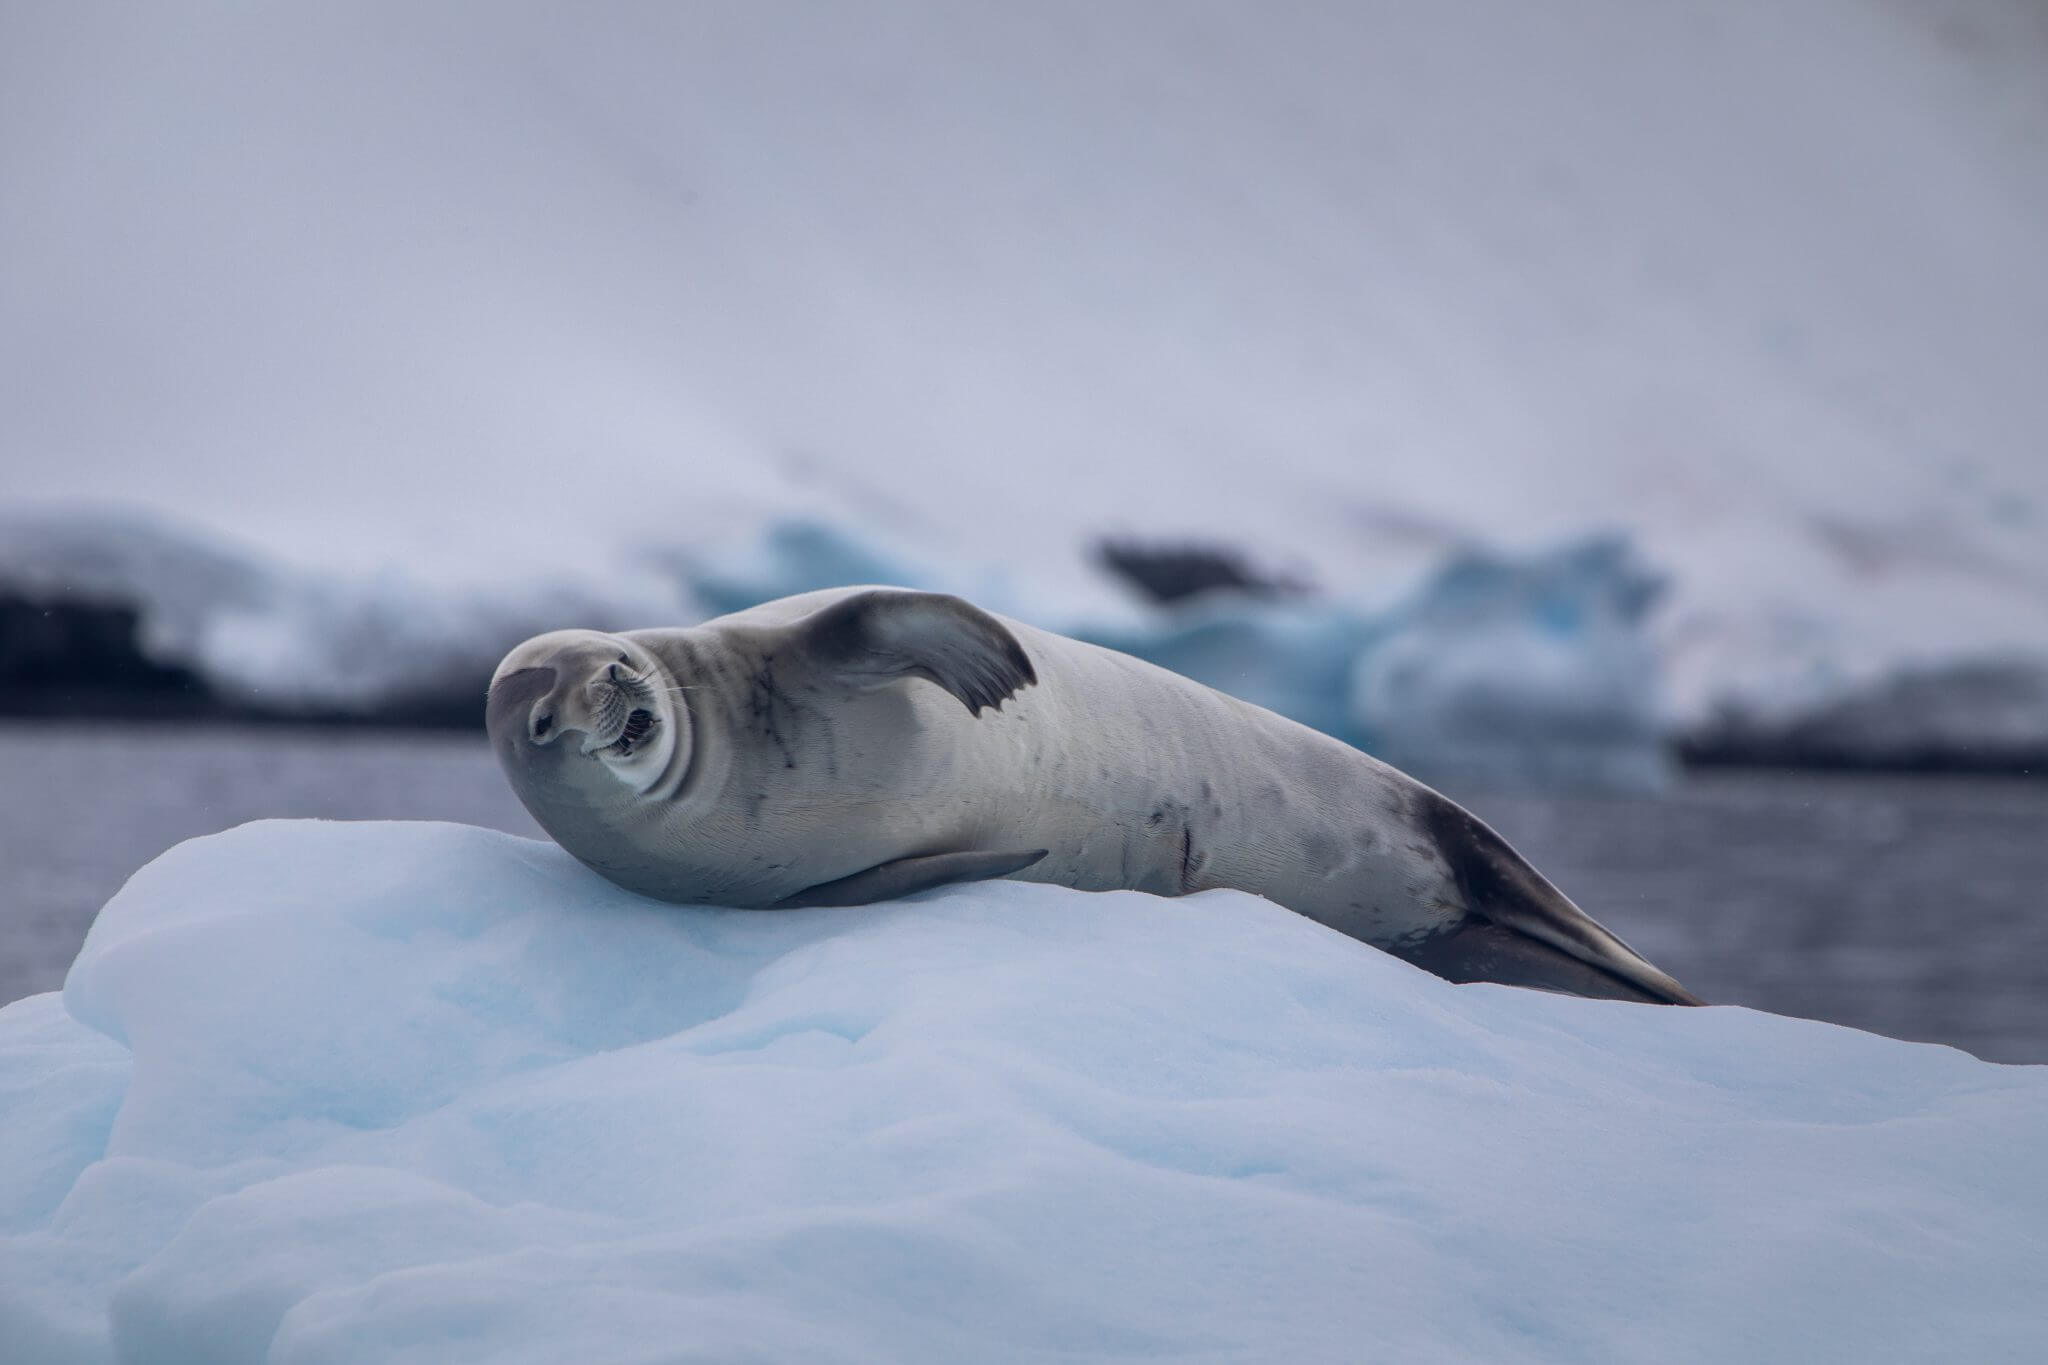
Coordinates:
column 1480, row 950
column 1523, row 931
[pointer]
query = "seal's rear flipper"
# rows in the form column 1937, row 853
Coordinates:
column 1527, row 929
column 883, row 634
column 1480, row 951
column 887, row 881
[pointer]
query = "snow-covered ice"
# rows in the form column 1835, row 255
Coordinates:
column 321, row 1093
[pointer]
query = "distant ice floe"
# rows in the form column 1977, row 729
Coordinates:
column 1979, row 713
column 1536, row 669
column 416, row 1094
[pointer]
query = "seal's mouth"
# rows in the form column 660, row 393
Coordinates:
column 639, row 724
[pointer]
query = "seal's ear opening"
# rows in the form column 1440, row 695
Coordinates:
column 509, row 712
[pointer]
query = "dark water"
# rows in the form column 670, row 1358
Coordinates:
column 1916, row 907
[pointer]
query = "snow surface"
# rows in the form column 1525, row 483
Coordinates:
column 320, row 1093
column 486, row 291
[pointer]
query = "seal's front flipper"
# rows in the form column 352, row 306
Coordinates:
column 878, row 636
column 890, row 880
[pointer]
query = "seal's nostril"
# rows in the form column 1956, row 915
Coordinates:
column 542, row 724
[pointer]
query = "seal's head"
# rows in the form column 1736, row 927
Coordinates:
column 585, row 717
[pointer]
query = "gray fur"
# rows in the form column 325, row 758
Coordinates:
column 846, row 738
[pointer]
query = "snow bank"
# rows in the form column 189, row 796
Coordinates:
column 322, row 1093
column 266, row 633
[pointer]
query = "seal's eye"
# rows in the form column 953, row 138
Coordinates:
column 542, row 724
column 626, row 659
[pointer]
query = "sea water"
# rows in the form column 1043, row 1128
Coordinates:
column 1909, row 906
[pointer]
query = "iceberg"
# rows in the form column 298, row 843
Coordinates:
column 319, row 1093
column 1529, row 670
column 798, row 555
column 1536, row 670
column 1289, row 657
